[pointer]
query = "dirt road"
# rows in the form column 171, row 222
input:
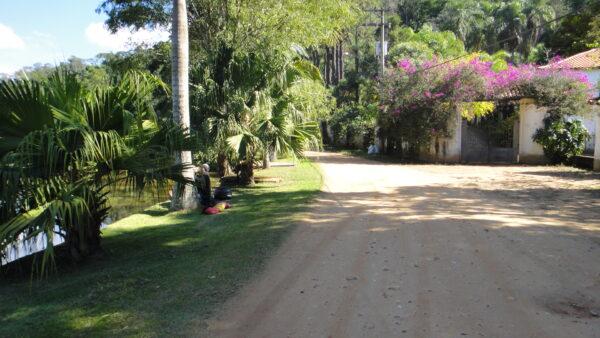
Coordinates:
column 433, row 251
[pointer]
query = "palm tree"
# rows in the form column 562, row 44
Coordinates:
column 183, row 195
column 226, row 89
column 247, row 104
column 64, row 146
column 538, row 12
column 275, row 124
column 510, row 23
column 466, row 18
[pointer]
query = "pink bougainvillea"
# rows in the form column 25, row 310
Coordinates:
column 417, row 99
column 469, row 80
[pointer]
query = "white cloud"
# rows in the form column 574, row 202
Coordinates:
column 9, row 39
column 8, row 69
column 98, row 34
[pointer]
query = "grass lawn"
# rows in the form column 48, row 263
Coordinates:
column 163, row 273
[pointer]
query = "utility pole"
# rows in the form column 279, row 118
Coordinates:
column 382, row 41
column 381, row 24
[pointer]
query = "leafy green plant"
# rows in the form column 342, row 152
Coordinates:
column 64, row 145
column 423, row 45
column 255, row 105
column 562, row 139
column 354, row 120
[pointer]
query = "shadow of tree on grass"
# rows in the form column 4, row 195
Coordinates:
column 172, row 271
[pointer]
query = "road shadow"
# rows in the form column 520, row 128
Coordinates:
column 576, row 175
column 169, row 281
column 163, row 275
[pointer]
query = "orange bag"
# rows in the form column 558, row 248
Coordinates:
column 211, row 211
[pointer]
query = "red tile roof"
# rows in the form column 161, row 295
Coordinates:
column 586, row 60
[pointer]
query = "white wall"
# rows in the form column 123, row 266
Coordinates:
column 531, row 118
column 596, row 112
column 446, row 149
column 593, row 76
column 589, row 120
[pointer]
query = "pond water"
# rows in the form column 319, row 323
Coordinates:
column 122, row 204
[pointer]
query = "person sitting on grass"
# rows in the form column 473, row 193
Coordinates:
column 202, row 181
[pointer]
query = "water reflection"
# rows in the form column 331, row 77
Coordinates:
column 123, row 203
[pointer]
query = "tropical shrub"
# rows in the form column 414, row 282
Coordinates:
column 257, row 105
column 62, row 148
column 423, row 45
column 561, row 138
column 354, row 120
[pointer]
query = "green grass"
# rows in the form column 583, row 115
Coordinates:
column 163, row 273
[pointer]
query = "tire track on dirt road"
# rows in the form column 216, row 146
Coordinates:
column 426, row 251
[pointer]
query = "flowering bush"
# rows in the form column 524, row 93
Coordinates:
column 417, row 100
column 561, row 139
column 416, row 103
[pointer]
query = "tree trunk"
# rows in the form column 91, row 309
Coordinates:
column 331, row 66
column 326, row 70
column 340, row 66
column 247, row 172
column 83, row 237
column 223, row 168
column 183, row 194
column 316, row 58
column 357, row 66
column 266, row 160
column 335, row 63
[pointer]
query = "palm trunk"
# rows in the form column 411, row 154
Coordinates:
column 183, row 194
column 267, row 159
column 247, row 172
column 223, row 167
column 84, row 235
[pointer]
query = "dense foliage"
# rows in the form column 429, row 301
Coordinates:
column 417, row 103
column 561, row 138
column 563, row 135
column 64, row 145
column 252, row 109
column 354, row 122
column 526, row 29
column 253, row 92
column 424, row 44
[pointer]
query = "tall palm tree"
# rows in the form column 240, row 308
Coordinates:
column 183, row 195
column 538, row 12
column 510, row 23
column 466, row 18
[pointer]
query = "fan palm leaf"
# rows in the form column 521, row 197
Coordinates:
column 67, row 144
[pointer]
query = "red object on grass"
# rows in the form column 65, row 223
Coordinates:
column 211, row 211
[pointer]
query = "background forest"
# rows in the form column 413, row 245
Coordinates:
column 242, row 48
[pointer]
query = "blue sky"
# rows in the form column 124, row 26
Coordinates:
column 50, row 31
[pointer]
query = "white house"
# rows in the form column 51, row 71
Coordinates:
column 587, row 62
